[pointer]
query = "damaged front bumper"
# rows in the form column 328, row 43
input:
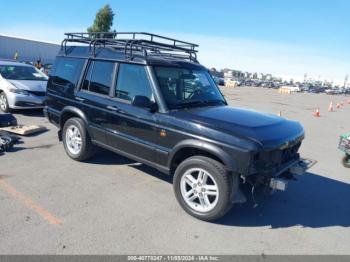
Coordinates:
column 276, row 179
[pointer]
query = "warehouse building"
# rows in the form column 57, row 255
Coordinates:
column 27, row 50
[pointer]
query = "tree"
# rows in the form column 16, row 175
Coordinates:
column 103, row 20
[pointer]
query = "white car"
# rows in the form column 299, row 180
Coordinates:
column 22, row 86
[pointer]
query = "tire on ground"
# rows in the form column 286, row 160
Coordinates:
column 346, row 161
column 222, row 178
column 87, row 149
column 7, row 108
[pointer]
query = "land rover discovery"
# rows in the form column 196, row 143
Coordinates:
column 146, row 97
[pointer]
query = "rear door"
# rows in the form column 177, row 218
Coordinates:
column 134, row 128
column 95, row 96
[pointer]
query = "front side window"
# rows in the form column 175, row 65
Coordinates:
column 183, row 87
column 132, row 81
column 99, row 77
column 19, row 72
column 67, row 71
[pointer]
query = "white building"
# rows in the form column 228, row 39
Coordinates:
column 27, row 50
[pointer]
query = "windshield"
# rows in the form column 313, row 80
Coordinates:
column 18, row 72
column 187, row 88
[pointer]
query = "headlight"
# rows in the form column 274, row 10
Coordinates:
column 19, row 91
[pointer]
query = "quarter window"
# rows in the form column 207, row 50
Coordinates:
column 99, row 77
column 132, row 81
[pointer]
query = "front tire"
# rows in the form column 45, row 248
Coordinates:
column 346, row 161
column 76, row 140
column 4, row 105
column 203, row 188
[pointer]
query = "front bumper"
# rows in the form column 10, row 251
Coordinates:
column 18, row 101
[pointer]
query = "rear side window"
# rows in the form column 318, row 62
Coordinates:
column 132, row 81
column 99, row 77
column 67, row 71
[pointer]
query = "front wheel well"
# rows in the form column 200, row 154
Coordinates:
column 187, row 152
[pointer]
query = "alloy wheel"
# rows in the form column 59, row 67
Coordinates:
column 73, row 139
column 3, row 102
column 199, row 190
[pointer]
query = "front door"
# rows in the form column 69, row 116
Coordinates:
column 134, row 128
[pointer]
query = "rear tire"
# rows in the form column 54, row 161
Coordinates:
column 76, row 140
column 203, row 188
column 346, row 161
column 4, row 105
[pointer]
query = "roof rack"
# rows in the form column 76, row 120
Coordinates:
column 134, row 44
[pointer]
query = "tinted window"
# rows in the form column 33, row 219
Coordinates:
column 99, row 77
column 67, row 71
column 132, row 81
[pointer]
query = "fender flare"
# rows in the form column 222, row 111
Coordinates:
column 228, row 161
column 77, row 112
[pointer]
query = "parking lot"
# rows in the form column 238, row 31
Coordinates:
column 111, row 205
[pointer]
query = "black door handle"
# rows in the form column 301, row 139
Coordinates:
column 113, row 108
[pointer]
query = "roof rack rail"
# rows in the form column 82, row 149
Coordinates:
column 145, row 43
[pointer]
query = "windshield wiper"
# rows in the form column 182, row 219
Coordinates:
column 199, row 103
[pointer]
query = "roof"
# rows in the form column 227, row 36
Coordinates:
column 28, row 39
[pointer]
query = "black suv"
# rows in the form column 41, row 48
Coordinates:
column 146, row 97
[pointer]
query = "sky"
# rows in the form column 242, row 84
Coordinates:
column 286, row 38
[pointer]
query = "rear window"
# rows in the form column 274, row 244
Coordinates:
column 67, row 71
column 99, row 77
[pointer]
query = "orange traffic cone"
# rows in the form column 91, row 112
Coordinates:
column 317, row 113
column 330, row 108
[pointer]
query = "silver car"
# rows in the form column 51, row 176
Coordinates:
column 22, row 86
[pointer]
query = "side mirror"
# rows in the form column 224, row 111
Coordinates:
column 144, row 102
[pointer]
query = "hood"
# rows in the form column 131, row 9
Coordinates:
column 268, row 130
column 30, row 85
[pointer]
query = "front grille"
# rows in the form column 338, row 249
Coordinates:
column 289, row 153
column 37, row 93
column 275, row 158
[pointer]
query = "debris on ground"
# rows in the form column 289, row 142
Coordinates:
column 24, row 130
column 7, row 141
column 7, row 120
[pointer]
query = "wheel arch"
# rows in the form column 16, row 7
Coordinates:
column 69, row 112
column 191, row 147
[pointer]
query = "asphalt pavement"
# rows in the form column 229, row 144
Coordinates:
column 51, row 204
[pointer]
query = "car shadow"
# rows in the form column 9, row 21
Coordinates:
column 313, row 201
column 105, row 157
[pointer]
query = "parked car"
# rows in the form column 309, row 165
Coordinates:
column 164, row 110
column 330, row 91
column 22, row 86
column 219, row 81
